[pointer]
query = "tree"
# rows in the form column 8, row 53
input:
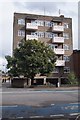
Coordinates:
column 72, row 78
column 30, row 58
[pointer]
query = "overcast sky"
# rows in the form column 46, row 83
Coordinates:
column 7, row 9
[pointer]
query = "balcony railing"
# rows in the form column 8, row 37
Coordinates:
column 58, row 28
column 31, row 26
column 60, row 63
column 58, row 40
column 31, row 37
column 59, row 51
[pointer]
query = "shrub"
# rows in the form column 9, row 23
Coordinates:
column 72, row 78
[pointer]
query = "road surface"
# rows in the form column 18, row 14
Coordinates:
column 34, row 103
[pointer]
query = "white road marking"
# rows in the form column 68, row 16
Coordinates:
column 20, row 117
column 52, row 104
column 74, row 114
column 74, row 103
column 10, row 106
column 36, row 116
column 56, row 115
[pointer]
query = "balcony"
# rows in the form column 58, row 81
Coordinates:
column 58, row 28
column 59, row 51
column 60, row 63
column 31, row 26
column 58, row 40
column 31, row 37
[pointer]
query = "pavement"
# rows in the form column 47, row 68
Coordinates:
column 8, row 85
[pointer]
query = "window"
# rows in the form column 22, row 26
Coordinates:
column 40, row 22
column 66, row 58
column 54, row 23
column 66, row 47
column 66, row 35
column 21, row 22
column 66, row 69
column 40, row 34
column 33, row 33
column 21, row 33
column 66, row 25
column 48, row 23
column 52, row 46
column 48, row 34
column 55, row 35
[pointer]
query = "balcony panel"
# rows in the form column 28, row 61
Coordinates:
column 31, row 37
column 59, row 51
column 60, row 63
column 31, row 26
column 58, row 40
column 58, row 28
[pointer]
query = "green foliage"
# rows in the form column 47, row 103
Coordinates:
column 30, row 58
column 72, row 78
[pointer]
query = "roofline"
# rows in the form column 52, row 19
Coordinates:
column 42, row 15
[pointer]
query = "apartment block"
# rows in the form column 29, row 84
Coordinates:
column 55, row 31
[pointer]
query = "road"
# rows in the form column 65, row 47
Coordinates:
column 34, row 103
column 36, row 98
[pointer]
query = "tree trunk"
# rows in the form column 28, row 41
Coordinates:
column 32, row 80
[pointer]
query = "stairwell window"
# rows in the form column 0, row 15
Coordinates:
column 66, row 25
column 66, row 47
column 21, row 33
column 21, row 22
column 66, row 58
column 66, row 35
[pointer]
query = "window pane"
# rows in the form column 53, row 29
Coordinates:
column 66, row 69
column 66, row 25
column 66, row 47
column 48, row 23
column 66, row 35
column 21, row 22
column 21, row 33
column 66, row 58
